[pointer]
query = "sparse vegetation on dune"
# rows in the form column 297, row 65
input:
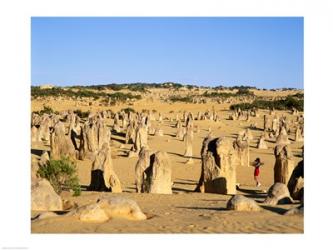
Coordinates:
column 128, row 110
column 206, row 94
column 240, row 92
column 82, row 114
column 46, row 110
column 299, row 95
column 82, row 93
column 241, row 87
column 284, row 104
column 138, row 86
column 186, row 99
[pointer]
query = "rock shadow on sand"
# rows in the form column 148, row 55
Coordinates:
column 206, row 208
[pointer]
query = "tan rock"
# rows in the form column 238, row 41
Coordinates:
column 160, row 174
column 284, row 164
column 44, row 198
column 278, row 194
column 103, row 175
column 61, row 144
column 219, row 160
column 241, row 203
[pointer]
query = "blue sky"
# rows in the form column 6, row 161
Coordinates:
column 208, row 51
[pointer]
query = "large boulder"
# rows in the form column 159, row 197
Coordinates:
column 88, row 141
column 296, row 182
column 241, row 203
column 103, row 176
column 109, row 208
column 44, row 129
column 219, row 159
column 61, row 144
column 44, row 198
column 284, row 164
column 141, row 138
column 159, row 174
column 141, row 166
column 278, row 194
column 242, row 148
column 103, row 133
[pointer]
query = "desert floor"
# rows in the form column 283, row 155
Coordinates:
column 184, row 211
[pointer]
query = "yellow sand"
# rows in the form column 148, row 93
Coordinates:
column 183, row 211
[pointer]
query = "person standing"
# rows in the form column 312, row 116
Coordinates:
column 256, row 164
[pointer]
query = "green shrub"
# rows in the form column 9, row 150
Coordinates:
column 243, row 91
column 128, row 110
column 137, row 87
column 62, row 175
column 186, row 99
column 46, row 110
column 218, row 94
column 242, row 106
column 84, row 93
column 284, row 104
column 82, row 114
column 119, row 96
column 299, row 95
column 240, row 92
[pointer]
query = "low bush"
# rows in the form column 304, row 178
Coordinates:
column 128, row 110
column 83, row 93
column 240, row 92
column 218, row 94
column 119, row 96
column 82, row 114
column 244, row 91
column 299, row 95
column 46, row 110
column 284, row 104
column 186, row 99
column 62, row 175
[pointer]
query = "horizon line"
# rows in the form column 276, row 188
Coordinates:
column 160, row 83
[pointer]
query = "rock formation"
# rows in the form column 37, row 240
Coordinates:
column 44, row 198
column 141, row 138
column 296, row 182
column 159, row 174
column 103, row 176
column 284, row 164
column 89, row 142
column 219, row 160
column 262, row 143
column 278, row 194
column 61, row 144
column 242, row 149
column 109, row 208
column 282, row 137
column 298, row 135
column 141, row 166
column 241, row 203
